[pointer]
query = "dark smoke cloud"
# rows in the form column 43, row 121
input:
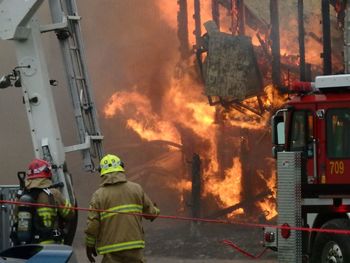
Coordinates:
column 129, row 47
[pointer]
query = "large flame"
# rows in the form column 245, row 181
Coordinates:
column 228, row 189
column 184, row 108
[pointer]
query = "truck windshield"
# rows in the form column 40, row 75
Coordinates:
column 338, row 133
column 302, row 131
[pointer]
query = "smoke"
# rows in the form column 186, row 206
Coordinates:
column 130, row 47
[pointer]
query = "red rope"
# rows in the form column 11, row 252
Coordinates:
column 231, row 244
column 183, row 218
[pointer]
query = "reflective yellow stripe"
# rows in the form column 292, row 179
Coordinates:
column 131, row 208
column 121, row 246
column 46, row 242
column 47, row 223
column 157, row 210
column 47, row 214
column 46, row 210
column 90, row 241
column 65, row 211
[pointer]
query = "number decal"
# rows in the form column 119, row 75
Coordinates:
column 337, row 167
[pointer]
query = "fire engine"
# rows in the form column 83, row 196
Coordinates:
column 311, row 144
column 19, row 23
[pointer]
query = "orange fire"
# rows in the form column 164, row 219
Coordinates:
column 268, row 206
column 228, row 190
column 144, row 122
column 183, row 106
column 188, row 107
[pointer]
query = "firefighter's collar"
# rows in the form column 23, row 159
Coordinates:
column 113, row 178
column 38, row 183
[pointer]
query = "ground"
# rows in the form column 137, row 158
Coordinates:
column 176, row 242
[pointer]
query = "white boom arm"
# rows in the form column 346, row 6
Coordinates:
column 19, row 24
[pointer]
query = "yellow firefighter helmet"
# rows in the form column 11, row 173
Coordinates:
column 111, row 163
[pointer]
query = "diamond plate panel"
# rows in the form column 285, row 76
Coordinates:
column 7, row 214
column 289, row 205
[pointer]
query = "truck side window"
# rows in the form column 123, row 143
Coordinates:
column 280, row 133
column 302, row 132
column 338, row 133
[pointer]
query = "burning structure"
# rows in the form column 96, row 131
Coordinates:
column 213, row 151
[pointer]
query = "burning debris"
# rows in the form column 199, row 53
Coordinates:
column 230, row 134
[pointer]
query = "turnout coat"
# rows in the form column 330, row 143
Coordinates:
column 111, row 230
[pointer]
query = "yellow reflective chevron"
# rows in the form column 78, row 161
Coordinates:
column 131, row 208
column 46, row 211
column 47, row 242
column 121, row 246
column 47, row 214
column 66, row 210
column 157, row 210
column 90, row 241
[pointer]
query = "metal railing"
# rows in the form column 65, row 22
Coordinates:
column 7, row 214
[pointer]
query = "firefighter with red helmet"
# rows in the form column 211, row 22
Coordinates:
column 118, row 237
column 41, row 224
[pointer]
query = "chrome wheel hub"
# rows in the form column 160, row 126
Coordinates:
column 332, row 253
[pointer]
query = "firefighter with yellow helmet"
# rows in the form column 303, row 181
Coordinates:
column 118, row 237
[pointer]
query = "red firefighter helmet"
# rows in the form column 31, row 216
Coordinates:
column 39, row 168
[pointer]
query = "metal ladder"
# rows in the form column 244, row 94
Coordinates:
column 66, row 24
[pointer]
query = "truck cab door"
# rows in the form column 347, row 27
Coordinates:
column 334, row 149
column 302, row 137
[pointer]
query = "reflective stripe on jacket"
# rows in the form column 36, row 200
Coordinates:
column 113, row 231
column 48, row 216
column 121, row 246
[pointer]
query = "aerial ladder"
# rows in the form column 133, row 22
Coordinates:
column 19, row 24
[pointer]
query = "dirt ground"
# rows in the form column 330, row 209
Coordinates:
column 175, row 242
column 80, row 254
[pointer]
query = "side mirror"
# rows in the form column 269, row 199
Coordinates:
column 274, row 152
column 278, row 130
column 278, row 133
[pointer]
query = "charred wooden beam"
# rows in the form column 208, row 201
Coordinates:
column 197, row 22
column 182, row 29
column 215, row 12
column 308, row 73
column 241, row 17
column 252, row 109
column 243, row 204
column 315, row 37
column 301, row 32
column 254, row 22
column 196, row 186
column 248, row 171
column 226, row 3
column 275, row 43
column 327, row 46
column 264, row 47
column 251, row 20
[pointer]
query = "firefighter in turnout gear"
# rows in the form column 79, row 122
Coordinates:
column 118, row 237
column 40, row 224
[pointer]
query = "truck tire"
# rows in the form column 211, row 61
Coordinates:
column 332, row 248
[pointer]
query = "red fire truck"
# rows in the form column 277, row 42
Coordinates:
column 311, row 138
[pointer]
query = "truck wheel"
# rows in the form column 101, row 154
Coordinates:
column 332, row 248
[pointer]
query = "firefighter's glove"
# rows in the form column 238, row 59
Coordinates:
column 91, row 253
